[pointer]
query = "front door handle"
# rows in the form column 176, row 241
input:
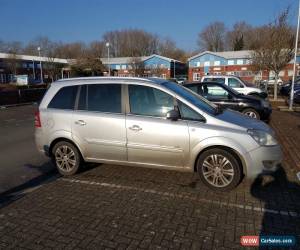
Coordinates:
column 80, row 122
column 135, row 128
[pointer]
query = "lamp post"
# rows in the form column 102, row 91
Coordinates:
column 174, row 73
column 41, row 68
column 33, row 69
column 107, row 46
column 295, row 62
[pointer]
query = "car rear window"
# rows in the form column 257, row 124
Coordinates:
column 64, row 98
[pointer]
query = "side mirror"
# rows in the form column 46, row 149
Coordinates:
column 173, row 115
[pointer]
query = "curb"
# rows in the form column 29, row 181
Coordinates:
column 17, row 105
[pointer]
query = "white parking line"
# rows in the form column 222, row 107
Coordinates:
column 152, row 191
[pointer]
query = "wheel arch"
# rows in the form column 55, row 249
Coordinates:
column 234, row 152
column 59, row 139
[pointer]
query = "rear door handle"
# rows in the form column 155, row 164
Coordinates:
column 135, row 128
column 80, row 122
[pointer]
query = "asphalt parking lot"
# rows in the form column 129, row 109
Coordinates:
column 117, row 207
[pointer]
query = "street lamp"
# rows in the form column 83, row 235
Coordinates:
column 295, row 59
column 33, row 69
column 174, row 69
column 41, row 68
column 107, row 45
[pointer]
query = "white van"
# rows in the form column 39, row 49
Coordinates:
column 235, row 83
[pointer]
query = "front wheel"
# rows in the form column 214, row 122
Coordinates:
column 66, row 158
column 251, row 113
column 219, row 170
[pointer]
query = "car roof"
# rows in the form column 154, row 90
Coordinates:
column 200, row 83
column 111, row 79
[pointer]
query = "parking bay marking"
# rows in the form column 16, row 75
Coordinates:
column 167, row 194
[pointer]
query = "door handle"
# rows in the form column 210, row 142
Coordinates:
column 135, row 128
column 80, row 122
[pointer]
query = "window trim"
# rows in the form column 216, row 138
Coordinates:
column 72, row 109
column 128, row 111
column 203, row 119
column 95, row 111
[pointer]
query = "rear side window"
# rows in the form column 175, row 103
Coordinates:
column 64, row 98
column 104, row 98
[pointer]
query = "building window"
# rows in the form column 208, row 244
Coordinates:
column 240, row 62
column 117, row 66
column 207, row 63
column 197, row 64
column 217, row 63
column 290, row 72
column 123, row 66
column 281, row 73
column 230, row 62
column 196, row 77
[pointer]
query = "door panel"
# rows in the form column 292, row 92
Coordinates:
column 101, row 135
column 157, row 141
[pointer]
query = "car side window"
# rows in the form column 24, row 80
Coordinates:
column 193, row 88
column 188, row 113
column 104, row 98
column 219, row 80
column 149, row 101
column 234, row 83
column 214, row 92
column 64, row 98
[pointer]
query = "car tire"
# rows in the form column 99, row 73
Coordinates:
column 66, row 158
column 251, row 113
column 214, row 166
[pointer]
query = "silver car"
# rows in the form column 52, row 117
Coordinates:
column 151, row 123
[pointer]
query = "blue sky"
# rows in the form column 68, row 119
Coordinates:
column 87, row 20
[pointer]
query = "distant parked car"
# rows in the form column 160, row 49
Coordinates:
column 286, row 88
column 181, row 80
column 236, row 83
column 227, row 97
column 271, row 81
column 296, row 96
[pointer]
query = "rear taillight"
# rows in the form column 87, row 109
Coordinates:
column 37, row 119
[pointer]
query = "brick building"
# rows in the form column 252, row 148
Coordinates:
column 236, row 63
column 146, row 66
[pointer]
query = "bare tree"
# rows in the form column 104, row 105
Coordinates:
column 275, row 47
column 137, row 66
column 12, row 63
column 131, row 42
column 168, row 48
column 239, row 36
column 212, row 37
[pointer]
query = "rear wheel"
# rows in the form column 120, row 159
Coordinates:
column 66, row 158
column 219, row 170
column 251, row 113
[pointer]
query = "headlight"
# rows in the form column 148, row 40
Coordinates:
column 265, row 104
column 262, row 138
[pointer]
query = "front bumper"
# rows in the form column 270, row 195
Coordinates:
column 263, row 160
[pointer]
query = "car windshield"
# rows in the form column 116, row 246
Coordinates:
column 192, row 97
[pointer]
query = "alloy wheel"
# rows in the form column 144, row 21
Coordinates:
column 65, row 158
column 218, row 170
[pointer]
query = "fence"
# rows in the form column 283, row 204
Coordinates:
column 20, row 96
